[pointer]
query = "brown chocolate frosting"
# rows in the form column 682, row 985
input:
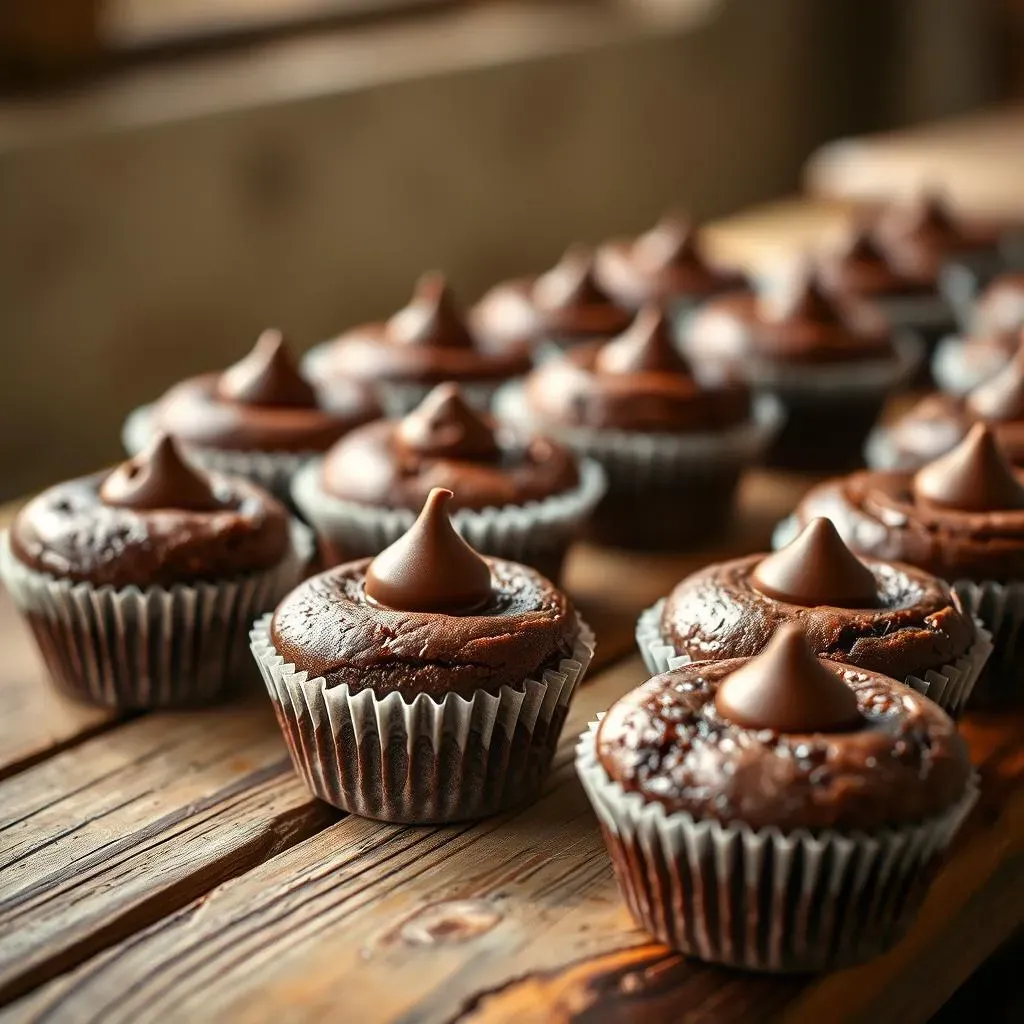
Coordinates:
column 328, row 627
column 427, row 342
column 817, row 568
column 787, row 689
column 565, row 304
column 923, row 235
column 903, row 762
column 934, row 520
column 909, row 622
column 662, row 265
column 262, row 403
column 153, row 521
column 804, row 323
column 430, row 568
column 446, row 443
column 862, row 267
column 999, row 310
column 636, row 382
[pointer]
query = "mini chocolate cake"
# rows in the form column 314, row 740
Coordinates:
column 519, row 497
column 673, row 446
column 961, row 518
column 426, row 642
column 878, row 616
column 783, row 783
column 663, row 265
column 559, row 308
column 259, row 418
column 831, row 364
column 423, row 344
column 939, row 422
column 173, row 563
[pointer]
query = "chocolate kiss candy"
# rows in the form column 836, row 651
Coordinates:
column 444, row 425
column 431, row 568
column 159, row 478
column 805, row 299
column 929, row 220
column 672, row 242
column 817, row 568
column 431, row 319
column 267, row 376
column 861, row 247
column 788, row 690
column 570, row 282
column 646, row 346
column 1001, row 398
column 974, row 477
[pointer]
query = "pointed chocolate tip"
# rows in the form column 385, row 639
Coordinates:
column 806, row 298
column 671, row 242
column 787, row 689
column 432, row 318
column 570, row 282
column 445, row 425
column 974, row 477
column 817, row 568
column 267, row 376
column 430, row 568
column 159, row 477
column 1001, row 398
column 861, row 246
column 646, row 346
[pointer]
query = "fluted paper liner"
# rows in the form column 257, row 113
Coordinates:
column 272, row 471
column 763, row 899
column 157, row 647
column 1001, row 607
column 535, row 531
column 642, row 460
column 949, row 686
column 427, row 761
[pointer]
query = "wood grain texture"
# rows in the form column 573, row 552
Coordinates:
column 101, row 839
column 518, row 919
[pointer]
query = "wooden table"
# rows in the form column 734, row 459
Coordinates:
column 171, row 867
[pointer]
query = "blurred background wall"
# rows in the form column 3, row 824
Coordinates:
column 162, row 208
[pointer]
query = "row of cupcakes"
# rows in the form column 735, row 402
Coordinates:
column 430, row 684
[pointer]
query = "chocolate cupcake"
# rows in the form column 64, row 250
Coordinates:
column 516, row 497
column 426, row 343
column 961, row 518
column 427, row 685
column 873, row 615
column 554, row 311
column 663, row 266
column 995, row 328
column 258, row 419
column 939, row 422
column 673, row 446
column 140, row 584
column 830, row 364
column 778, row 813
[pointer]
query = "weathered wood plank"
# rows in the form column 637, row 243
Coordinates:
column 515, row 919
column 123, row 829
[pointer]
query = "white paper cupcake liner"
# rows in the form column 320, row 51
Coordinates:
column 271, row 470
column 1000, row 606
column 536, row 531
column 429, row 760
column 958, row 370
column 643, row 461
column 785, row 531
column 155, row 648
column 949, row 686
column 762, row 899
column 856, row 380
